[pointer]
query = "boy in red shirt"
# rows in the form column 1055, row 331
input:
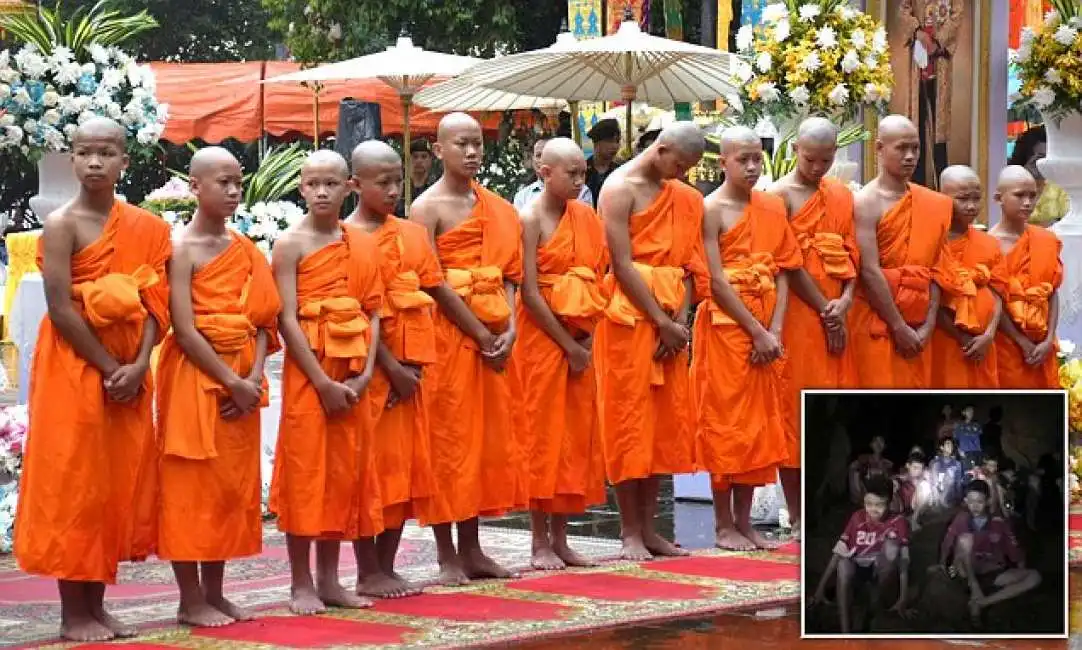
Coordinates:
column 874, row 547
column 985, row 553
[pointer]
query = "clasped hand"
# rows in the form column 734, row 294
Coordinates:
column 124, row 384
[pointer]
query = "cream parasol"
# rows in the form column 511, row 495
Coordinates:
column 403, row 66
column 626, row 66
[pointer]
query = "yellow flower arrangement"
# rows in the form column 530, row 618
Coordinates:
column 814, row 57
column 1049, row 61
column 1070, row 378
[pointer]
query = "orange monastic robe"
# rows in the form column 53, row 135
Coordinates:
column 474, row 445
column 210, row 467
column 740, row 407
column 963, row 274
column 401, row 443
column 647, row 418
column 561, row 436
column 911, row 237
column 824, row 229
column 87, row 498
column 324, row 481
column 1025, row 278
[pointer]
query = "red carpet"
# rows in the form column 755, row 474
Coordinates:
column 611, row 587
column 308, row 632
column 494, row 612
column 731, row 568
column 472, row 608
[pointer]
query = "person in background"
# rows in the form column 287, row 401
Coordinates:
column 945, row 472
column 606, row 138
column 1052, row 202
column 866, row 466
column 420, row 173
column 968, row 435
column 527, row 193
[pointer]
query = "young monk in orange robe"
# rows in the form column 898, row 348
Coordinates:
column 963, row 346
column 653, row 225
column 564, row 258
column 478, row 239
column 901, row 231
column 401, row 389
column 1027, row 280
column 87, row 497
column 324, row 485
column 736, row 367
column 816, row 328
column 224, row 308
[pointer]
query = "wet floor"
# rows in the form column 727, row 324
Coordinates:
column 692, row 526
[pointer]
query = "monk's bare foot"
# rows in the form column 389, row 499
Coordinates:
column 381, row 585
column 202, row 615
column 335, row 595
column 570, row 557
column 479, row 566
column 660, row 546
column 85, row 630
column 760, row 542
column 730, row 539
column 229, row 609
column 412, row 589
column 635, row 550
column 115, row 625
column 305, row 602
column 545, row 559
column 452, row 574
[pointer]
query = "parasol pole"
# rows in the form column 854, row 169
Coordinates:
column 628, row 95
column 576, row 129
column 407, row 101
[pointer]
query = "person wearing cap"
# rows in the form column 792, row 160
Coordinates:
column 420, row 172
column 606, row 138
column 527, row 193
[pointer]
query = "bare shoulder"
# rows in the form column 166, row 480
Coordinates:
column 287, row 247
column 59, row 221
column 866, row 204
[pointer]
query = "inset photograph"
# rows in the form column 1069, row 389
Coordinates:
column 935, row 513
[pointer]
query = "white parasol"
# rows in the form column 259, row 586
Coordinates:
column 626, row 66
column 403, row 66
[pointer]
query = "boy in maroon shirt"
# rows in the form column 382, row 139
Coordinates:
column 911, row 490
column 866, row 466
column 985, row 553
column 874, row 547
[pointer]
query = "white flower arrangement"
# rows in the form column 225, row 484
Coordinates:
column 43, row 99
column 1049, row 61
column 817, row 57
column 264, row 222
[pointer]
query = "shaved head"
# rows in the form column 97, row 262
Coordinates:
column 101, row 128
column 893, row 127
column 957, row 176
column 373, row 154
column 736, row 137
column 685, row 137
column 560, row 151
column 817, row 131
column 1013, row 175
column 324, row 159
column 211, row 159
column 456, row 123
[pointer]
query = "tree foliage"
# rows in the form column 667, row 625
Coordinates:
column 199, row 30
column 326, row 30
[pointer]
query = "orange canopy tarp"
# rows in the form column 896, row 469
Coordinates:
column 211, row 101
column 215, row 101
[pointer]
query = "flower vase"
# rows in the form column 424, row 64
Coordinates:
column 57, row 184
column 1063, row 166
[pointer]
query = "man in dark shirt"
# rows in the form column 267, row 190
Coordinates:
column 606, row 138
column 420, row 172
